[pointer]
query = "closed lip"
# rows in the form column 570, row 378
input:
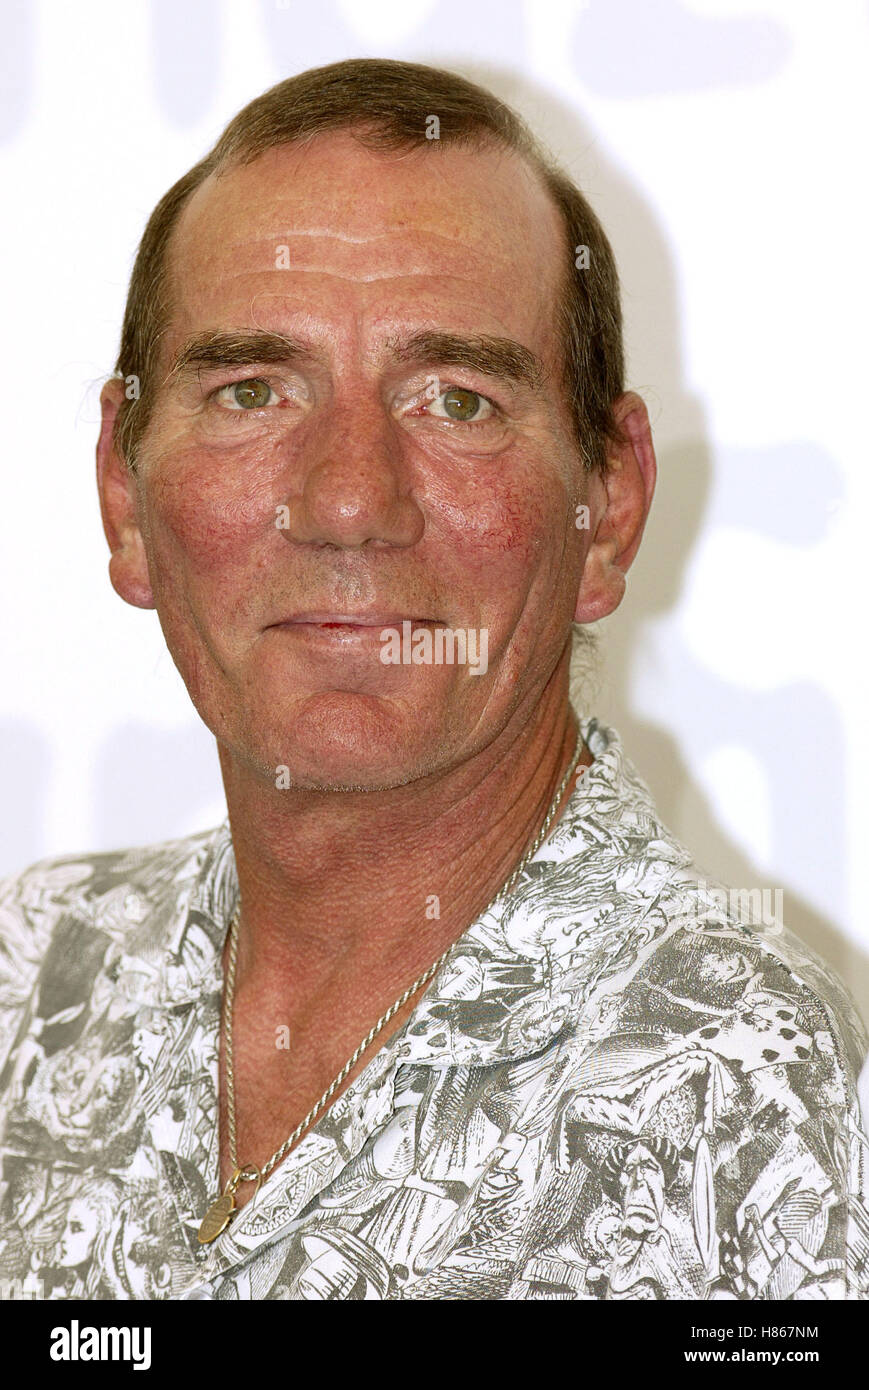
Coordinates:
column 383, row 619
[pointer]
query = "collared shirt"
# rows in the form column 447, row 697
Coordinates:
column 617, row 1086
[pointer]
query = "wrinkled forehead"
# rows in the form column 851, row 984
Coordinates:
column 640, row 1157
column 478, row 220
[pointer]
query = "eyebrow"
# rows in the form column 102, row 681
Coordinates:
column 494, row 356
column 499, row 357
column 215, row 349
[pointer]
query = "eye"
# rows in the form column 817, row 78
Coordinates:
column 245, row 395
column 459, row 403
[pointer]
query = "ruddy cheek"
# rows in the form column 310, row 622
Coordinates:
column 516, row 526
column 201, row 517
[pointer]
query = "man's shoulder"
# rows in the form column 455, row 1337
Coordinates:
column 694, row 957
column 722, row 977
column 105, row 891
column 727, row 932
column 69, row 876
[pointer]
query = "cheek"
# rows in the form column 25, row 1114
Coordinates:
column 204, row 510
column 517, row 553
column 505, row 529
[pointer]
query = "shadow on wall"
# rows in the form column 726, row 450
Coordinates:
column 25, row 757
column 146, row 784
column 141, row 767
column 793, row 731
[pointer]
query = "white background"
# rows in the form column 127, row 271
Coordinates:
column 722, row 144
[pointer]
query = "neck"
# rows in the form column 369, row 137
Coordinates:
column 354, row 893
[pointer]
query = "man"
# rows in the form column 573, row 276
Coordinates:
column 441, row 1010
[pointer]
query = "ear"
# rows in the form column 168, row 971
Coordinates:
column 128, row 566
column 619, row 502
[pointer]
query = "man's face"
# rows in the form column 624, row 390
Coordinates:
column 642, row 1184
column 395, row 499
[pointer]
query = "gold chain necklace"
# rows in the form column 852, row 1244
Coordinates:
column 223, row 1208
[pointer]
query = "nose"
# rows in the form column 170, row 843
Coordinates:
column 356, row 482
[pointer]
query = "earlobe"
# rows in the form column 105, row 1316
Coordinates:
column 603, row 583
column 125, row 573
column 629, row 485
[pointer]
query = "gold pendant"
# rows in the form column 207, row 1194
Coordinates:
column 222, row 1209
column 217, row 1218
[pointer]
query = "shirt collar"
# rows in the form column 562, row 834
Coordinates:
column 523, row 971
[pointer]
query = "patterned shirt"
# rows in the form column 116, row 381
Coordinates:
column 617, row 1086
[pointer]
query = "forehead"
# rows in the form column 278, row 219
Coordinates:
column 454, row 237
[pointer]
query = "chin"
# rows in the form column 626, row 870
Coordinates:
column 344, row 741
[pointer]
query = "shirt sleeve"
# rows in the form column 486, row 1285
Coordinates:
column 794, row 1225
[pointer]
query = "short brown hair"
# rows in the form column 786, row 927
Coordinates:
column 386, row 105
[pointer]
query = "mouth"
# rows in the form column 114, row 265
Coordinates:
column 351, row 622
column 640, row 1217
